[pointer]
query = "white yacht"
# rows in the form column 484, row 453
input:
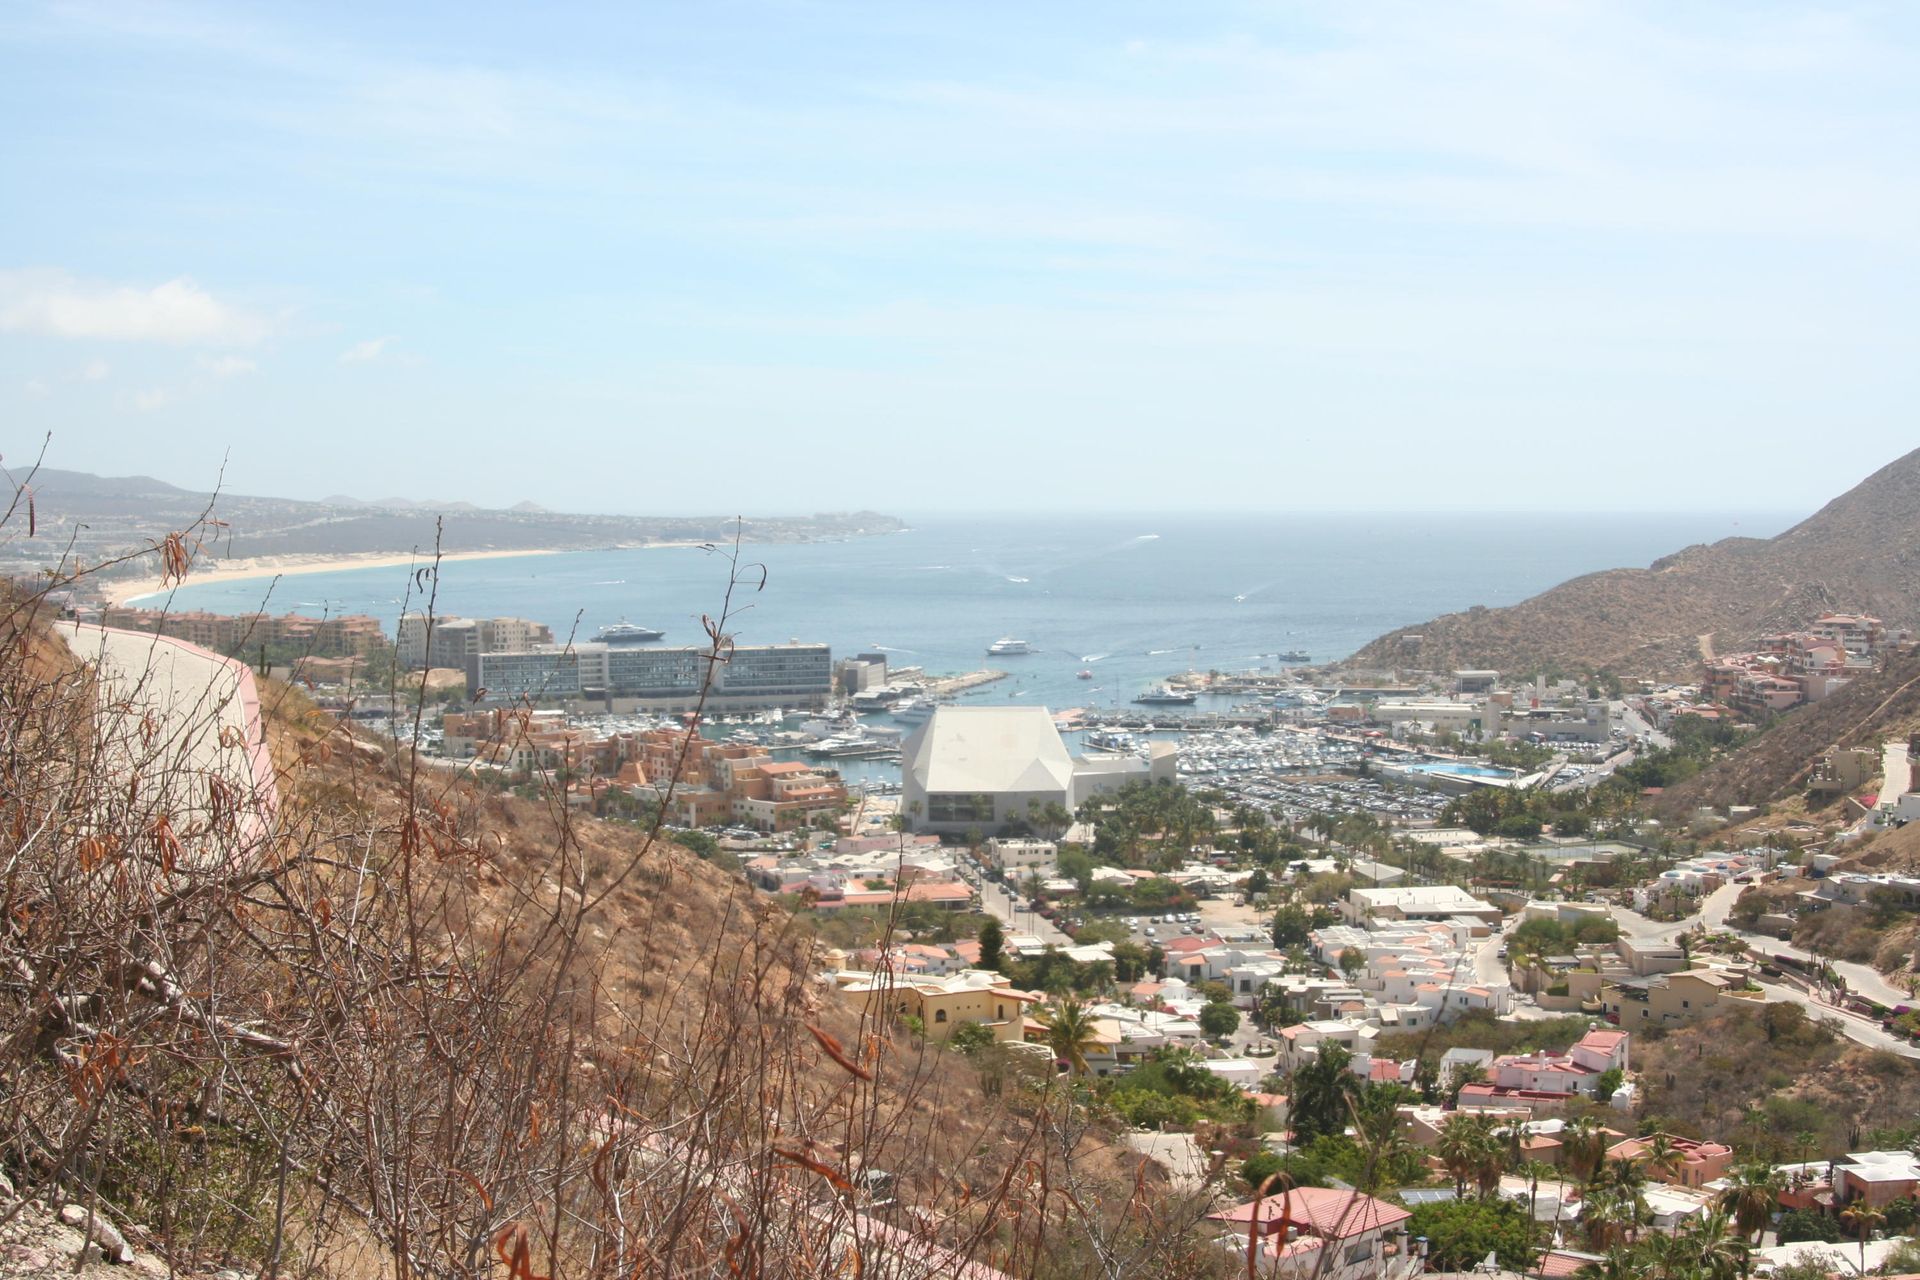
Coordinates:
column 1002, row 647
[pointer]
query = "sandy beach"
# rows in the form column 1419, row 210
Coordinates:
column 132, row 589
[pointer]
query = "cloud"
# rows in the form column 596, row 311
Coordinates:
column 228, row 366
column 366, row 352
column 151, row 399
column 95, row 370
column 178, row 312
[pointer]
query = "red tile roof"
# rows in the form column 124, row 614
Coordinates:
column 1330, row 1214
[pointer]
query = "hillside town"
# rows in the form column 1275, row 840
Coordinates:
column 1389, row 973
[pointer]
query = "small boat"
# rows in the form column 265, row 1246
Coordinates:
column 1006, row 645
column 1085, row 674
column 1295, row 655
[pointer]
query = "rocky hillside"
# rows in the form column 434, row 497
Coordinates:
column 1856, row 553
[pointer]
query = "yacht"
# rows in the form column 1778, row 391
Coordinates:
column 624, row 632
column 1295, row 655
column 1166, row 696
column 912, row 710
column 1004, row 646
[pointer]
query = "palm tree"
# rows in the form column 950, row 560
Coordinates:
column 1533, row 1171
column 1617, row 1202
column 1862, row 1217
column 1320, row 1093
column 1751, row 1196
column 1071, row 1033
column 1468, row 1149
column 1586, row 1147
column 1712, row 1248
column 1661, row 1154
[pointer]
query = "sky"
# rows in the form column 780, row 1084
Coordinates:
column 784, row 256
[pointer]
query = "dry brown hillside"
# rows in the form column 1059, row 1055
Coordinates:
column 1857, row 553
column 417, row 1027
column 1769, row 1081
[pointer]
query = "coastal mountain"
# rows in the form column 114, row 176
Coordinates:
column 1857, row 553
column 95, row 519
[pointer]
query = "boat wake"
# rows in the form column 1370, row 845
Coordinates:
column 611, row 582
column 1011, row 578
column 1095, row 657
column 1155, row 653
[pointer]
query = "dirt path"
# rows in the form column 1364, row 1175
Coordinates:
column 1705, row 641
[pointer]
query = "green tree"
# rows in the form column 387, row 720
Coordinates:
column 1321, row 1094
column 1070, row 1032
column 1460, row 1233
column 1075, row 865
column 1291, row 926
column 970, row 1037
column 1258, row 1167
column 1219, row 1018
column 1796, row 1225
column 993, row 946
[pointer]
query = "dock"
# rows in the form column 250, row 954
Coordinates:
column 948, row 686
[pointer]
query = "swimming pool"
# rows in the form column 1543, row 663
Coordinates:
column 1464, row 770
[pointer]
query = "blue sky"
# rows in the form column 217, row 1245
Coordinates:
column 795, row 256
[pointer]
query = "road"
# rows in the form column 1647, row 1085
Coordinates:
column 1896, row 770
column 1004, row 907
column 1637, row 724
column 188, row 716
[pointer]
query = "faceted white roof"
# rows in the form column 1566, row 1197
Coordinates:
column 988, row 751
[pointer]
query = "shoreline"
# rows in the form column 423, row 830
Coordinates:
column 268, row 567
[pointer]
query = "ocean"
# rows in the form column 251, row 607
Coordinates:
column 1134, row 599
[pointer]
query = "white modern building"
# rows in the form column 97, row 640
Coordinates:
column 981, row 768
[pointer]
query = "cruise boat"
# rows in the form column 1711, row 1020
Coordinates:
column 1166, row 696
column 624, row 632
column 1004, row 646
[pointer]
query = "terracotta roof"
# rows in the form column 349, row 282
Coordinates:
column 1330, row 1214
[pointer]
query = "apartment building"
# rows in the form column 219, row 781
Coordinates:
column 631, row 678
column 703, row 782
column 451, row 641
column 353, row 634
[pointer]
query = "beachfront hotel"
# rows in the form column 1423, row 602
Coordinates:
column 622, row 678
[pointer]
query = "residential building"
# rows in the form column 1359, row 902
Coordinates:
column 241, row 634
column 1663, row 998
column 1694, row 1163
column 1018, row 857
column 1878, row 1177
column 943, row 1003
column 1321, row 1232
column 450, row 641
column 1417, row 902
